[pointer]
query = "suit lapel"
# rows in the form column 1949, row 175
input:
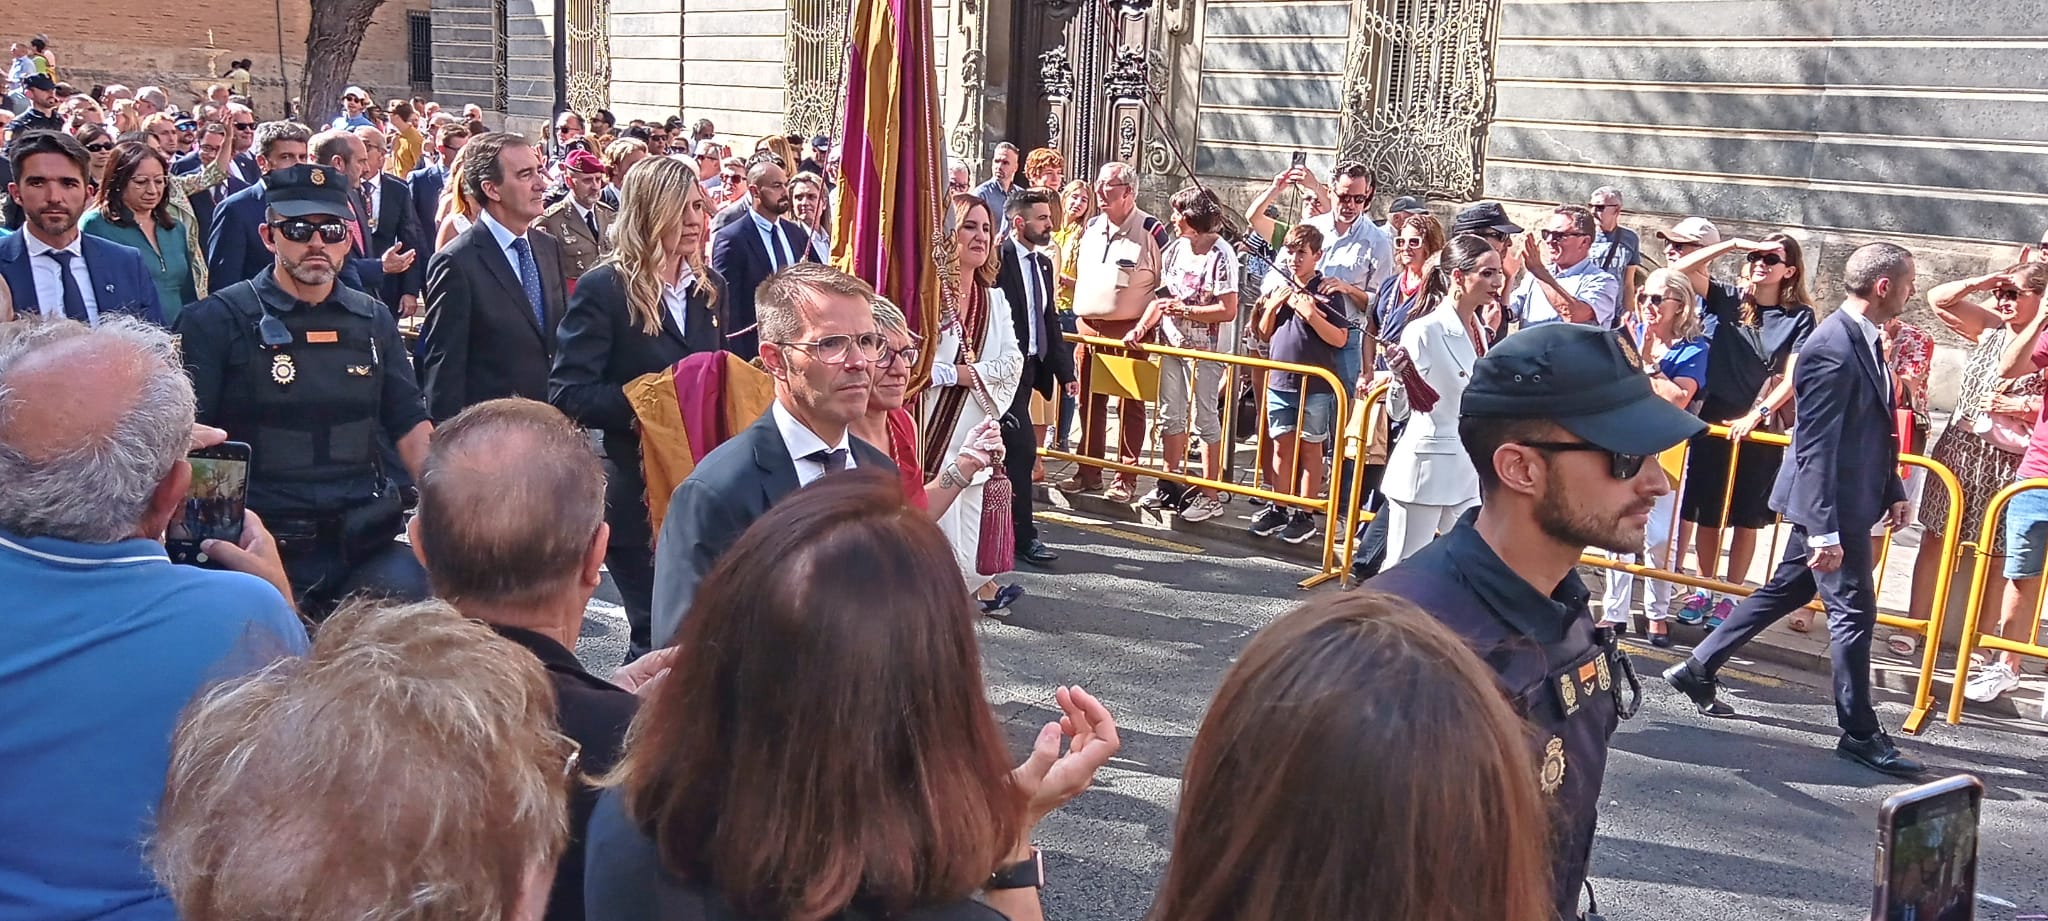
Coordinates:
column 498, row 262
column 19, row 275
column 771, row 454
column 759, row 246
column 550, row 283
column 98, row 266
column 1866, row 359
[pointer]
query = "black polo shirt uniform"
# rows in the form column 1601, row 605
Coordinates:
column 1564, row 675
column 310, row 388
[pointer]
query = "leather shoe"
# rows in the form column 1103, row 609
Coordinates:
column 1702, row 691
column 1037, row 553
column 1878, row 754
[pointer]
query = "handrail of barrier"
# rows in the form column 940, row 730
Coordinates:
column 1980, row 577
column 1930, row 628
column 1331, row 505
column 1357, row 447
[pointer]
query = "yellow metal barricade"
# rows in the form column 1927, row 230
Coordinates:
column 1335, row 503
column 1929, row 628
column 1980, row 580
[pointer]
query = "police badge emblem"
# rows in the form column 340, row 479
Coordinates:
column 319, row 177
column 1553, row 765
column 1606, row 676
column 281, row 368
column 1569, row 690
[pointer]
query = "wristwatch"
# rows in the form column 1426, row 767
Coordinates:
column 1028, row 873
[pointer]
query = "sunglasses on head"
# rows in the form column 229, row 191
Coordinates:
column 1620, row 466
column 1769, row 259
column 300, row 230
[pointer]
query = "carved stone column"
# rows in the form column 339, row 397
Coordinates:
column 967, row 124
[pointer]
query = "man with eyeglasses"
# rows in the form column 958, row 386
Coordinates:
column 354, row 101
column 1561, row 284
column 820, row 344
column 309, row 372
column 1563, row 429
column 242, row 168
column 1616, row 249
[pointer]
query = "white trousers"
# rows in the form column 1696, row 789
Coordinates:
column 1620, row 593
column 1411, row 526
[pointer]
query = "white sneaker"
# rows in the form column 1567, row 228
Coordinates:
column 1202, row 509
column 1991, row 682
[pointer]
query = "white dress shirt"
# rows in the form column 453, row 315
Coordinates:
column 50, row 284
column 676, row 298
column 1034, row 295
column 802, row 441
column 1875, row 344
column 373, row 202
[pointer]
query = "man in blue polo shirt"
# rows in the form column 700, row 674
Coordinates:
column 107, row 640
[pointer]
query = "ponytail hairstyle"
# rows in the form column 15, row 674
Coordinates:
column 1462, row 254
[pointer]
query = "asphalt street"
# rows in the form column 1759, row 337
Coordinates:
column 1716, row 820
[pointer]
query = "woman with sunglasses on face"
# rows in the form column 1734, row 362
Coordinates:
column 1666, row 327
column 889, row 424
column 100, row 144
column 648, row 304
column 1756, row 339
column 977, row 348
column 1988, row 432
column 1430, row 480
column 133, row 209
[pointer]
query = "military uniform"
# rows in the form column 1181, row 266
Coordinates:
column 311, row 387
column 581, row 248
column 1568, row 678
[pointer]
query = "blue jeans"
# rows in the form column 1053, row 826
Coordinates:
column 1070, row 406
column 2026, row 534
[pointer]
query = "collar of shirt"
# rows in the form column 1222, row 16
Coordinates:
column 761, row 223
column 53, row 551
column 1543, row 618
column 802, row 441
column 1584, row 266
column 1872, row 336
column 582, row 213
column 1024, row 250
column 502, row 234
column 37, row 247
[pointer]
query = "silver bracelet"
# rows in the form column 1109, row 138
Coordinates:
column 952, row 478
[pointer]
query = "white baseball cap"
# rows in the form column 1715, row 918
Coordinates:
column 1693, row 230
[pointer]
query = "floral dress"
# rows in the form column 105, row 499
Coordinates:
column 1980, row 467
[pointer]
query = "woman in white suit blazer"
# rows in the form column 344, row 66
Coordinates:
column 1429, row 480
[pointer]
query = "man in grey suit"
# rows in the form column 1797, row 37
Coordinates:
column 819, row 342
column 1840, row 480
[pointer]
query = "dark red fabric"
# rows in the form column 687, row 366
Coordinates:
column 700, row 392
column 903, row 450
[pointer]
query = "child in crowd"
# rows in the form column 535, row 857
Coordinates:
column 1303, row 326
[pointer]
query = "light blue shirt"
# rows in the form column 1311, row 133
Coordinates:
column 106, row 644
column 1583, row 280
column 772, row 238
column 505, row 238
column 23, row 68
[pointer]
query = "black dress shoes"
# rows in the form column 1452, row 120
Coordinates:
column 1701, row 690
column 1878, row 754
column 1037, row 553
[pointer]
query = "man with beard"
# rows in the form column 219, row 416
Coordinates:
column 309, row 372
column 1025, row 275
column 755, row 246
column 51, row 268
column 1564, row 431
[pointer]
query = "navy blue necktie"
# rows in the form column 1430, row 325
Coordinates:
column 74, row 299
column 529, row 278
column 833, row 460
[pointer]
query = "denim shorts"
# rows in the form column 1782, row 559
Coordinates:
column 2026, row 534
column 1283, row 409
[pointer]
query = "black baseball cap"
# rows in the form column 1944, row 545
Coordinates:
column 1408, row 204
column 39, row 82
column 306, row 190
column 1579, row 377
column 1485, row 215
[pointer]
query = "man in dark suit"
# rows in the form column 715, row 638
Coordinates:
column 746, row 251
column 1840, row 480
column 1026, row 278
column 51, row 268
column 528, row 570
column 369, row 267
column 428, row 182
column 234, row 248
column 213, row 139
column 818, row 340
column 495, row 294
column 393, row 226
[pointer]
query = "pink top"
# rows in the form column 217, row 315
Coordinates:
column 2035, row 463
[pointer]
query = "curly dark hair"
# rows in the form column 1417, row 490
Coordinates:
column 127, row 159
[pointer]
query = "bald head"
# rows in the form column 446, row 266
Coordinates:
column 511, row 507
column 93, row 425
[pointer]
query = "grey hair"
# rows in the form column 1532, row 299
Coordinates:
column 1605, row 194
column 95, row 491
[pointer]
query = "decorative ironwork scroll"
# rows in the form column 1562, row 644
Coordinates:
column 814, row 66
column 590, row 59
column 1418, row 94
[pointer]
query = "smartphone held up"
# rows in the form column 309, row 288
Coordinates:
column 214, row 504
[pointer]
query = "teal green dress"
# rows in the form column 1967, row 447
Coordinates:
column 171, row 266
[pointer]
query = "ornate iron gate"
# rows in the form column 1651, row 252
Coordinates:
column 1418, row 93
column 590, row 59
column 814, row 66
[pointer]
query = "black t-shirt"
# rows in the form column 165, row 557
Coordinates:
column 1742, row 358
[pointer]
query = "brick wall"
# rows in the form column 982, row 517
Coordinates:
column 105, row 41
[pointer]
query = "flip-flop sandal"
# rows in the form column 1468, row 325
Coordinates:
column 1005, row 596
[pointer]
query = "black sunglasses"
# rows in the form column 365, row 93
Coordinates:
column 1620, row 466
column 1491, row 234
column 2006, row 294
column 300, row 230
column 245, row 126
column 1552, row 236
column 101, row 147
column 1765, row 258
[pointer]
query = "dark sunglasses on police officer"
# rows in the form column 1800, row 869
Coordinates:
column 300, row 230
column 1620, row 466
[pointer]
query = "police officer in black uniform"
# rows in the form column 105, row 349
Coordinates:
column 310, row 373
column 1564, row 430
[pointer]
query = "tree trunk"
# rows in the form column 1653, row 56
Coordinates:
column 332, row 40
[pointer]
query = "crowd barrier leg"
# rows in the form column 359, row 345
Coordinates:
column 1973, row 638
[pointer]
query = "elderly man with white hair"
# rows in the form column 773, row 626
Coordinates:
column 107, row 639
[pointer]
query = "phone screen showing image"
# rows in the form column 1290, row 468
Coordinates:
column 1930, row 863
column 213, row 505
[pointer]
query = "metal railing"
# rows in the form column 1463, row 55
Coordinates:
column 1980, row 577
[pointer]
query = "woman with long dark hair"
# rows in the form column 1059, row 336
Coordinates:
column 99, row 142
column 1430, row 480
column 807, row 758
column 133, row 209
column 646, row 306
column 1755, row 342
column 1358, row 762
column 977, row 348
